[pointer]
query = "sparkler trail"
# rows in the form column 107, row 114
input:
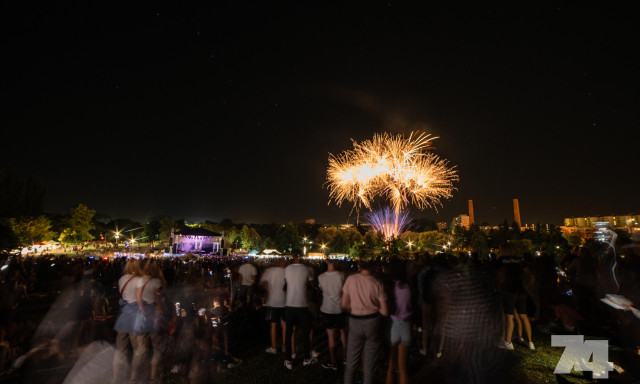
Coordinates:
column 398, row 168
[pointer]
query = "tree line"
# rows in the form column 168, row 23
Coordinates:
column 81, row 225
column 23, row 223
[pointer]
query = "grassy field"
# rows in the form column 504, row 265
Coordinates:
column 523, row 366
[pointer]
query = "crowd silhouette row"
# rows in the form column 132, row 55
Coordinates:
column 195, row 319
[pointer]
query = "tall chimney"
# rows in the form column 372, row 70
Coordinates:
column 516, row 212
column 471, row 220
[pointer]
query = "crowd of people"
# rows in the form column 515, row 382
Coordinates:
column 146, row 318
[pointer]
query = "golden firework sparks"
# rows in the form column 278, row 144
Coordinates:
column 399, row 168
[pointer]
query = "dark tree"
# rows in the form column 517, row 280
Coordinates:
column 8, row 239
column 152, row 229
column 288, row 239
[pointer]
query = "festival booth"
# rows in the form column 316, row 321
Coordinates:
column 241, row 253
column 270, row 253
column 315, row 256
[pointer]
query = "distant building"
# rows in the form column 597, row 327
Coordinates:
column 346, row 226
column 615, row 221
column 585, row 226
column 462, row 221
column 310, row 221
column 442, row 225
column 583, row 232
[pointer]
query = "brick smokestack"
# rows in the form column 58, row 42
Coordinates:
column 516, row 212
column 471, row 217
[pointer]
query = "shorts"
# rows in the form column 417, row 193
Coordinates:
column 334, row 320
column 274, row 314
column 521, row 303
column 508, row 302
column 246, row 291
column 400, row 332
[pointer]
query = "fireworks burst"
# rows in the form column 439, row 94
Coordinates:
column 399, row 168
column 388, row 223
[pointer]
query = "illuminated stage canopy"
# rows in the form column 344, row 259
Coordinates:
column 197, row 240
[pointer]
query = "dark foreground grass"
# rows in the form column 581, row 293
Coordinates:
column 521, row 366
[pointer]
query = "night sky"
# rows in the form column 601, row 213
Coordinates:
column 231, row 111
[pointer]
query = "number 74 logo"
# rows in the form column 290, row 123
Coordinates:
column 578, row 352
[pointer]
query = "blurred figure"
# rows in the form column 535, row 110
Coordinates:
column 583, row 278
column 432, row 309
column 568, row 318
column 124, row 326
column 272, row 281
column 148, row 300
column 4, row 348
column 219, row 318
column 296, row 313
column 363, row 297
column 248, row 273
column 400, row 335
column 522, row 309
column 330, row 283
column 514, row 301
column 472, row 325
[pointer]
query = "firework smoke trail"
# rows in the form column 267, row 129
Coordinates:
column 399, row 168
column 387, row 222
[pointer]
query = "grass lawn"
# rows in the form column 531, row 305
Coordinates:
column 523, row 366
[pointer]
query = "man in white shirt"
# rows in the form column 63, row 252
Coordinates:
column 330, row 283
column 248, row 273
column 273, row 282
column 296, row 311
